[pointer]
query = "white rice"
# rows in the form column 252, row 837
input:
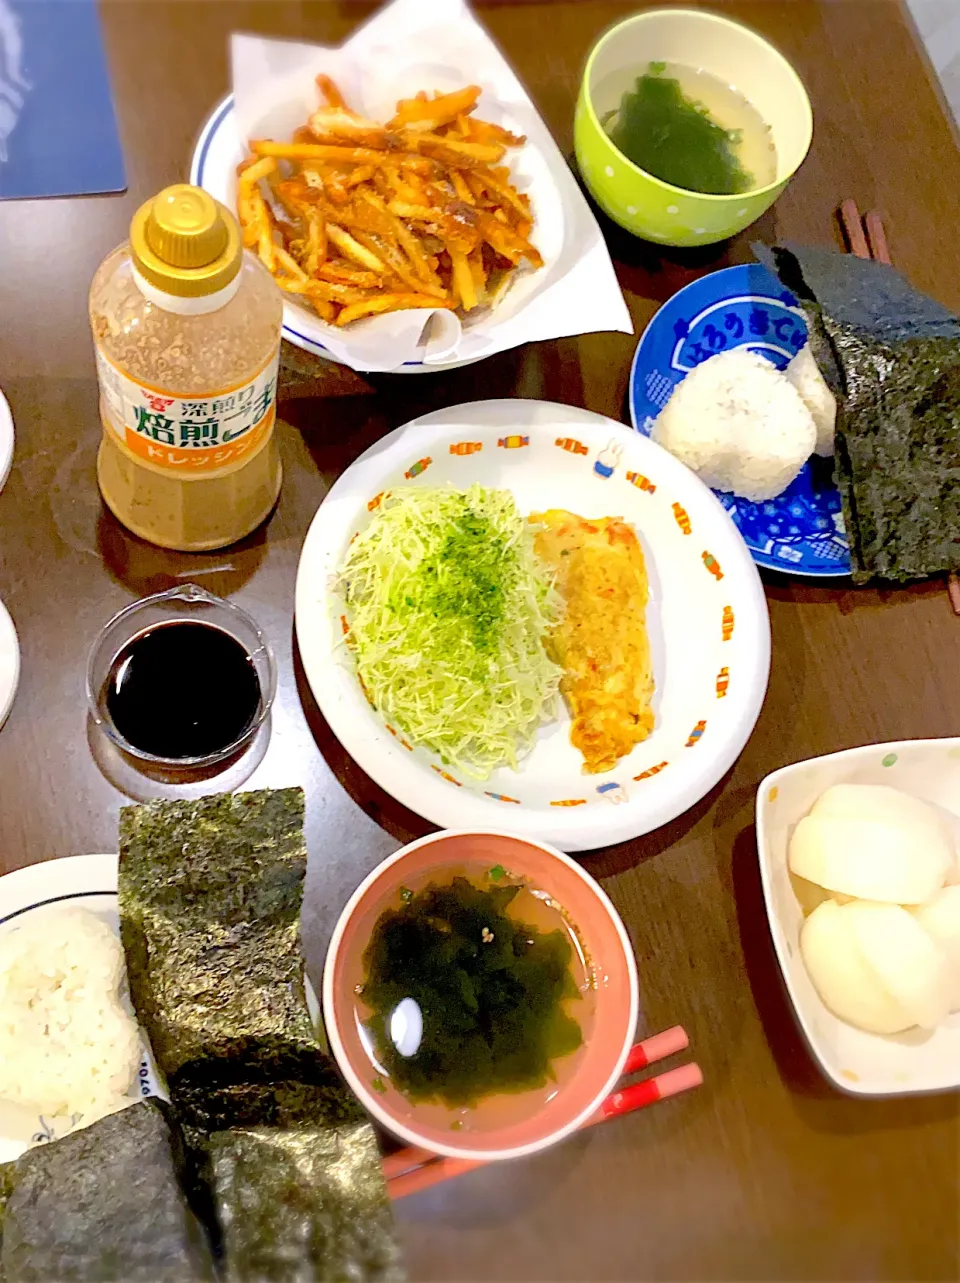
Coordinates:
column 740, row 425
column 67, row 1045
column 804, row 373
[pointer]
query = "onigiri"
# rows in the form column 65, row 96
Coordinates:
column 67, row 1043
column 804, row 373
column 739, row 424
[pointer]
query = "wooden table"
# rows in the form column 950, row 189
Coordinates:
column 765, row 1173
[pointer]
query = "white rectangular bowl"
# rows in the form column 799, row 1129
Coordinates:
column 855, row 1061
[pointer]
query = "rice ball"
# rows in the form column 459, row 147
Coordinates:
column 739, row 424
column 67, row 1043
column 804, row 373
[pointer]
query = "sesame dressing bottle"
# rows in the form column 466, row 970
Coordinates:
column 187, row 333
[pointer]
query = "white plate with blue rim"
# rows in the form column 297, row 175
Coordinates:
column 86, row 882
column 218, row 152
column 706, row 619
column 6, row 440
column 801, row 532
column 81, row 881
column 9, row 663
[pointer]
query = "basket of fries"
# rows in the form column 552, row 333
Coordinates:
column 359, row 218
column 414, row 221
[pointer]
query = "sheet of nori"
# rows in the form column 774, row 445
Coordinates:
column 892, row 356
column 209, row 898
column 103, row 1205
column 210, row 895
column 6, row 1189
column 326, row 1219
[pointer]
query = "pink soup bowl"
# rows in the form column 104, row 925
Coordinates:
column 505, row 1125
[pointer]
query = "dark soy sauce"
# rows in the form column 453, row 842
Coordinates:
column 182, row 690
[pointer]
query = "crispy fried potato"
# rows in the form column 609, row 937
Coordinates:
column 330, row 92
column 342, row 153
column 421, row 113
column 351, row 248
column 447, row 150
column 336, row 125
column 387, row 303
column 358, row 218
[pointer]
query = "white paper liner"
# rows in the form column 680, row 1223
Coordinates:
column 411, row 45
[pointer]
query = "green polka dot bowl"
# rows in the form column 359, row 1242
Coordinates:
column 643, row 204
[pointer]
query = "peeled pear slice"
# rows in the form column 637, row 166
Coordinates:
column 941, row 921
column 841, row 976
column 870, row 857
column 875, row 966
column 883, row 803
column 910, row 966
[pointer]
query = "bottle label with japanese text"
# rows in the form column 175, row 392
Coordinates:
column 189, row 435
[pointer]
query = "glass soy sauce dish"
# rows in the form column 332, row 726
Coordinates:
column 181, row 680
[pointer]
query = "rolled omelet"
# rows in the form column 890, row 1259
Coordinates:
column 601, row 641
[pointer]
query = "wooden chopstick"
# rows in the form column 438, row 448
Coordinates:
column 413, row 1169
column 857, row 241
column 876, row 237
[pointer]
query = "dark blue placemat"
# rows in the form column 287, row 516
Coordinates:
column 58, row 132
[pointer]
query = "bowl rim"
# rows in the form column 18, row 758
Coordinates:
column 764, row 859
column 190, row 593
column 371, row 1101
column 701, row 15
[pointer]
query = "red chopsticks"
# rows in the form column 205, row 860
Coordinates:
column 411, row 1170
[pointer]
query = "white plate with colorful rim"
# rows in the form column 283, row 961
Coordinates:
column 707, row 620
column 80, row 881
column 855, row 1061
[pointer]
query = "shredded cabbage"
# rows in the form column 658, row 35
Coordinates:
column 448, row 607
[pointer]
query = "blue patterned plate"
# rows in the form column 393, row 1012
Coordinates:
column 800, row 532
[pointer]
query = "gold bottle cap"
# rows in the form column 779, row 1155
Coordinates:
column 185, row 243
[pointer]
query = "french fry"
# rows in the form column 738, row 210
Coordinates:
column 257, row 169
column 336, row 152
column 462, row 189
column 420, row 113
column 478, row 272
column 362, row 174
column 463, row 279
column 289, row 264
column 447, row 150
column 316, row 249
column 356, row 218
column 351, row 248
column 387, row 303
column 402, row 270
column 336, row 125
column 330, row 92
column 483, row 131
column 342, row 273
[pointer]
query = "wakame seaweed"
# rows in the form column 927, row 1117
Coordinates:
column 104, row 1205
column 288, row 1171
column 491, row 990
column 892, row 357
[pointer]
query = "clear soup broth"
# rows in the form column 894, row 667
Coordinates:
column 687, row 128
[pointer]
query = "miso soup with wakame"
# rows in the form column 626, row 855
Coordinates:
column 475, row 989
column 687, row 128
